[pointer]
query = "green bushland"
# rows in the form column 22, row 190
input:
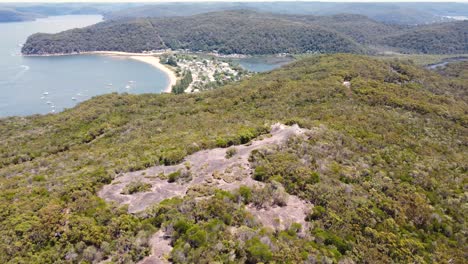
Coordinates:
column 135, row 187
column 183, row 83
column 385, row 161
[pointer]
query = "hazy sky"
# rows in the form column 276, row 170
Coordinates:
column 159, row 1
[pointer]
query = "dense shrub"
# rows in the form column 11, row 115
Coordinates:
column 135, row 187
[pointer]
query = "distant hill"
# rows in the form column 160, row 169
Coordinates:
column 243, row 32
column 248, row 32
column 10, row 15
column 444, row 38
column 390, row 13
column 358, row 27
column 132, row 36
column 174, row 9
column 15, row 12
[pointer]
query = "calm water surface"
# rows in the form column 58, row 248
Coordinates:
column 40, row 85
column 263, row 63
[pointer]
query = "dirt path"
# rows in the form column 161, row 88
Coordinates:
column 208, row 168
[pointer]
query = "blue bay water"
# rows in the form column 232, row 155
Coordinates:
column 67, row 79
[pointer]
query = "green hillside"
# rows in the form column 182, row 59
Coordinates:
column 243, row 32
column 444, row 38
column 359, row 28
column 385, row 169
column 248, row 32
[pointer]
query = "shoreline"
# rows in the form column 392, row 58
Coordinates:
column 155, row 62
column 148, row 58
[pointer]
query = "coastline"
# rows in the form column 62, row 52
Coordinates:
column 155, row 62
column 148, row 58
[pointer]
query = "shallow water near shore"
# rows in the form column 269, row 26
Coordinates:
column 40, row 85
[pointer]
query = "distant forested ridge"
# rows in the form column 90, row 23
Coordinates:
column 242, row 32
column 357, row 27
column 445, row 38
column 11, row 15
column 17, row 12
column 248, row 32
column 389, row 13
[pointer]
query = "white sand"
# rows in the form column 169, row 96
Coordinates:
column 154, row 61
column 150, row 58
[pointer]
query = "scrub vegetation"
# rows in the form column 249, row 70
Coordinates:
column 385, row 169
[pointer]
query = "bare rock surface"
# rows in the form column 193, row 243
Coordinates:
column 160, row 248
column 210, row 168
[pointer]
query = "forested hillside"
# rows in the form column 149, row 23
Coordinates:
column 444, row 38
column 384, row 167
column 358, row 27
column 228, row 32
column 247, row 32
column 131, row 36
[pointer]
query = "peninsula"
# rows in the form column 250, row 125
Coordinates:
column 252, row 33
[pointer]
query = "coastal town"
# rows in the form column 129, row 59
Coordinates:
column 197, row 73
column 187, row 72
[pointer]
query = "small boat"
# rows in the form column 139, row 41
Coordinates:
column 42, row 97
column 45, row 93
column 110, row 84
column 48, row 102
column 78, row 94
column 128, row 86
column 74, row 98
column 52, row 106
column 53, row 111
column 131, row 81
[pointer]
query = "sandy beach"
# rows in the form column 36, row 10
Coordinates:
column 154, row 61
column 150, row 58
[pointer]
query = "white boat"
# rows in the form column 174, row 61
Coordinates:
column 78, row 94
column 131, row 81
column 53, row 111
column 74, row 98
column 128, row 86
column 48, row 102
column 110, row 84
column 42, row 97
column 45, row 93
column 53, row 106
